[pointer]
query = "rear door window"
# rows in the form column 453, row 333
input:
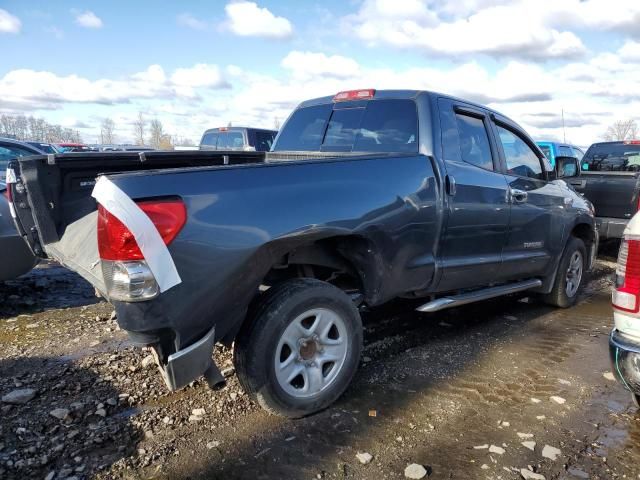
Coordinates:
column 474, row 141
column 369, row 126
column 521, row 159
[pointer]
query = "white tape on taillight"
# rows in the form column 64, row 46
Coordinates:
column 11, row 176
column 155, row 252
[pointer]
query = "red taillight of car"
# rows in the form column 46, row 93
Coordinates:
column 626, row 292
column 354, row 95
column 115, row 240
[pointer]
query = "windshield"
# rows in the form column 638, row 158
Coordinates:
column 369, row 126
column 612, row 157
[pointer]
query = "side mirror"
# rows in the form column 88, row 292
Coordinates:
column 567, row 167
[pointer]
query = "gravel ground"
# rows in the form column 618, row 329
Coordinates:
column 504, row 389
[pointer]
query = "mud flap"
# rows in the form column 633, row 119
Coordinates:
column 186, row 365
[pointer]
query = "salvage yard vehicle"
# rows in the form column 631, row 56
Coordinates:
column 611, row 181
column 624, row 342
column 366, row 196
column 238, row 138
column 554, row 149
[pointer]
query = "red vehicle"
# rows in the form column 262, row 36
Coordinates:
column 74, row 147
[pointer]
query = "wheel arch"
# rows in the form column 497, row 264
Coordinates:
column 352, row 262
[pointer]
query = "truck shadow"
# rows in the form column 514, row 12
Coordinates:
column 62, row 428
column 385, row 402
column 47, row 286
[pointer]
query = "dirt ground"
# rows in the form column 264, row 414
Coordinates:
column 497, row 390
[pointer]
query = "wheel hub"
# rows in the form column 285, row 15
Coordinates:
column 311, row 352
column 308, row 348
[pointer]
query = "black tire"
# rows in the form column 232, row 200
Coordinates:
column 558, row 296
column 260, row 337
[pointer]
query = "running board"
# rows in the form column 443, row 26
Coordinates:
column 477, row 295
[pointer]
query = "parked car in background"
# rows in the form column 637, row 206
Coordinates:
column 10, row 148
column 15, row 259
column 121, row 148
column 45, row 147
column 366, row 196
column 624, row 342
column 611, row 181
column 238, row 138
column 75, row 147
column 555, row 149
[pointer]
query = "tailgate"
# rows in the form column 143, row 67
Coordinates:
column 613, row 194
column 54, row 210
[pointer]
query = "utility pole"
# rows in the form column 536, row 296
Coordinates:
column 564, row 133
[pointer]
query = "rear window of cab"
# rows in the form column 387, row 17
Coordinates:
column 360, row 126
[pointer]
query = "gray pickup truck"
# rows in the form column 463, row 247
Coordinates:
column 366, row 196
column 611, row 181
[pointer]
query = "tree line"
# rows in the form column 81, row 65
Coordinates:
column 144, row 132
column 36, row 129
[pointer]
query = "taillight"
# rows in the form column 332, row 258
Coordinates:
column 626, row 292
column 115, row 240
column 126, row 274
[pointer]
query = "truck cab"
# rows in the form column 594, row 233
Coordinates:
column 555, row 149
column 238, row 138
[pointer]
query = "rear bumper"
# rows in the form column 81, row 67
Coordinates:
column 611, row 227
column 625, row 360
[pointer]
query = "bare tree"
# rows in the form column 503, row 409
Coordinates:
column 139, row 128
column 106, row 131
column 156, row 131
column 622, row 130
column 157, row 137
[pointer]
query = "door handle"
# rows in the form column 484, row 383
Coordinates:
column 518, row 196
column 450, row 185
column 578, row 184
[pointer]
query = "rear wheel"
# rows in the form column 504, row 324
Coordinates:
column 299, row 350
column 570, row 275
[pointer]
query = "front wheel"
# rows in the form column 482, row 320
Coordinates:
column 300, row 348
column 569, row 276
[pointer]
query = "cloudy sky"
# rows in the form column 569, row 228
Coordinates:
column 201, row 64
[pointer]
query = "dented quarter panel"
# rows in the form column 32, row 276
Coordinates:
column 234, row 236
